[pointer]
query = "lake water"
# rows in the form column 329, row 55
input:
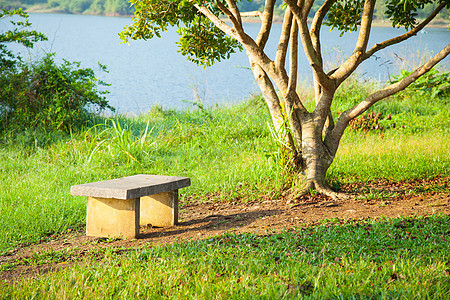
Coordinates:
column 146, row 73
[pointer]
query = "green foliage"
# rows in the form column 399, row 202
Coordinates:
column 200, row 40
column 345, row 15
column 403, row 13
column 153, row 17
column 42, row 95
column 434, row 83
column 18, row 34
column 48, row 96
column 203, row 43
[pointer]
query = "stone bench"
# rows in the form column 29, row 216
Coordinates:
column 116, row 208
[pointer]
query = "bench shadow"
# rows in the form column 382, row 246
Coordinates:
column 214, row 222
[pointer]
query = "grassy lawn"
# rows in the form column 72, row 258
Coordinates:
column 230, row 151
column 384, row 259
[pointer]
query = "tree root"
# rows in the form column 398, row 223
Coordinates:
column 336, row 196
column 312, row 186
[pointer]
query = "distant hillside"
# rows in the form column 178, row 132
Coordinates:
column 122, row 7
column 95, row 7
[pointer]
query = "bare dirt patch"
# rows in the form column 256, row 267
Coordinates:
column 202, row 220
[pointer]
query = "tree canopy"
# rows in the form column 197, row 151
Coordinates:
column 203, row 43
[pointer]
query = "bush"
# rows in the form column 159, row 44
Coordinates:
column 436, row 83
column 49, row 96
column 19, row 34
column 42, row 95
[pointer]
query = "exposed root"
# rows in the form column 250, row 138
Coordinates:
column 312, row 186
column 334, row 195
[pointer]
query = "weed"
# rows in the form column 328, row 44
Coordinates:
column 49, row 257
column 366, row 122
column 7, row 266
column 118, row 141
column 433, row 84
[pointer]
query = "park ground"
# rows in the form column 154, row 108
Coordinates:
column 242, row 234
column 208, row 218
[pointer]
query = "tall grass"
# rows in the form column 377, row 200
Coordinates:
column 396, row 157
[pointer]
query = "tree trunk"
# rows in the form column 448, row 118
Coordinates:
column 314, row 160
column 315, row 157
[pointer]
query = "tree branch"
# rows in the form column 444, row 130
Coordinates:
column 347, row 68
column 293, row 59
column 317, row 24
column 308, row 47
column 292, row 86
column 218, row 22
column 266, row 25
column 279, row 76
column 236, row 21
column 307, row 5
column 401, row 38
column 366, row 25
column 273, row 103
column 315, row 38
column 280, row 57
column 346, row 116
column 256, row 13
column 234, row 10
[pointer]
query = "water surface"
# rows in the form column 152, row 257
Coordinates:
column 146, row 73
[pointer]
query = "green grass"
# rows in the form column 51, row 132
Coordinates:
column 221, row 150
column 392, row 156
column 403, row 258
column 229, row 152
column 226, row 151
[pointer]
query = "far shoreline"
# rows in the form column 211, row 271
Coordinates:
column 440, row 23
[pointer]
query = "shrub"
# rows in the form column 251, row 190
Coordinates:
column 436, row 83
column 20, row 34
column 42, row 95
column 49, row 96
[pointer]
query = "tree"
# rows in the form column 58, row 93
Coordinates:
column 310, row 137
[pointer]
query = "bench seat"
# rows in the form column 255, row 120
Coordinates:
column 116, row 208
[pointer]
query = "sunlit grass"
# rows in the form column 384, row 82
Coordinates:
column 392, row 156
column 398, row 258
column 226, row 151
column 220, row 151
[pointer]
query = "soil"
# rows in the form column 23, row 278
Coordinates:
column 206, row 218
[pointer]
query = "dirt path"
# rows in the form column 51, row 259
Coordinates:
column 202, row 221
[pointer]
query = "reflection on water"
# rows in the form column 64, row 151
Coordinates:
column 145, row 73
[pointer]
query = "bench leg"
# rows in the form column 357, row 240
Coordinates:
column 112, row 218
column 160, row 210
